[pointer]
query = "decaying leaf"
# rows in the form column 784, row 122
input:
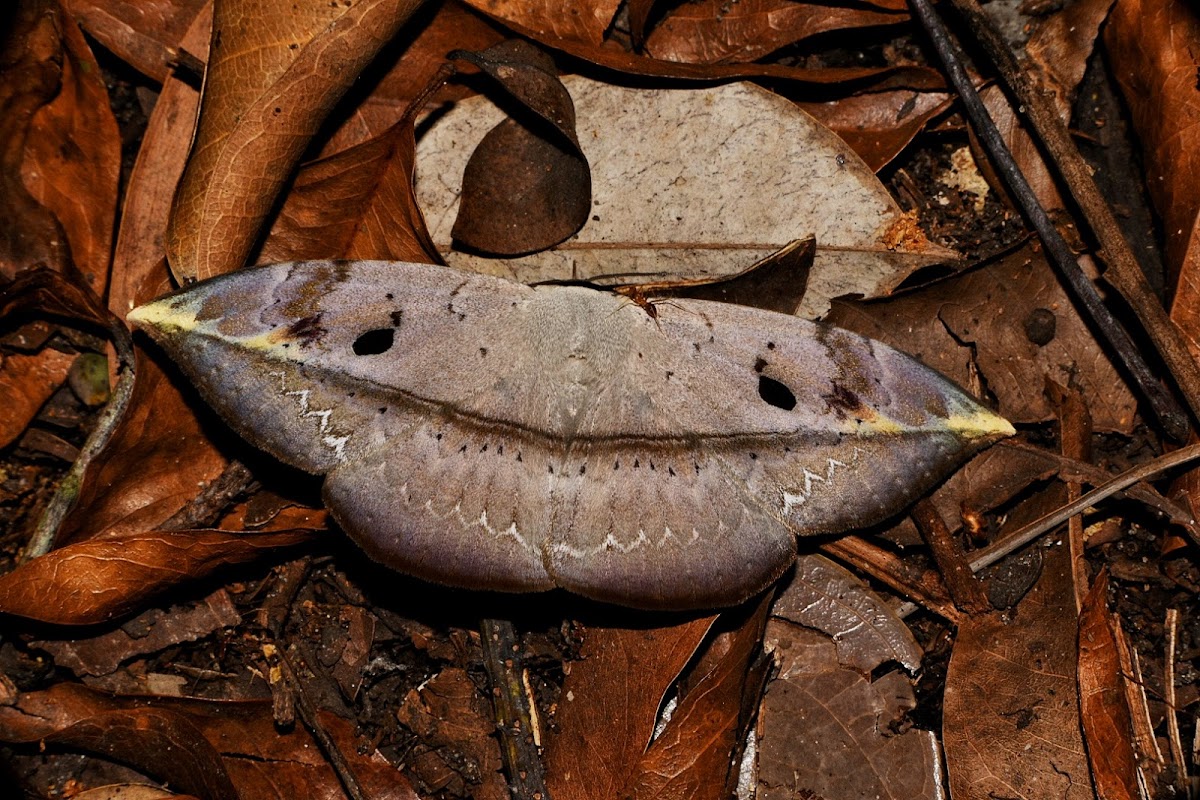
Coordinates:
column 1104, row 709
column 26, row 382
column 1006, row 327
column 693, row 183
column 1011, row 724
column 484, row 433
column 826, row 597
column 827, row 729
column 30, row 76
column 215, row 750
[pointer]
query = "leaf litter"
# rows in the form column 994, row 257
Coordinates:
column 391, row 667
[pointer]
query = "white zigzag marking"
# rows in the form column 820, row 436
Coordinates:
column 335, row 443
column 612, row 543
column 795, row 496
column 456, row 515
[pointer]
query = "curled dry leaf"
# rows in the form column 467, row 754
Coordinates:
column 151, row 631
column 280, row 68
column 1152, row 48
column 693, row 756
column 412, row 59
column 355, row 204
column 1003, row 329
column 95, row 581
column 139, row 262
column 1105, row 712
column 826, row 597
column 157, row 458
column 31, row 54
column 26, row 383
column 527, row 185
column 1011, row 724
column 73, row 159
column 683, row 185
column 716, row 31
column 879, row 125
column 616, row 687
column 540, row 23
column 583, row 20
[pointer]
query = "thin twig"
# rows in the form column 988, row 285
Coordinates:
column 1172, row 631
column 964, row 587
column 42, row 540
column 1172, row 418
column 312, row 722
column 514, row 717
column 1124, row 273
column 925, row 589
column 997, row 550
column 234, row 482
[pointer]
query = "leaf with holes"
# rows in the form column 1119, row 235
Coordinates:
column 488, row 434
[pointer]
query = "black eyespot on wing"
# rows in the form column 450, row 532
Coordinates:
column 775, row 393
column 374, row 342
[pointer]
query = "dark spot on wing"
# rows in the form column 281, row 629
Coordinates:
column 775, row 393
column 374, row 342
column 306, row 330
column 759, row 365
column 842, row 401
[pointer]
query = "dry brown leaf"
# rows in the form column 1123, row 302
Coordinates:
column 583, row 20
column 526, row 186
column 157, row 460
column 692, row 757
column 719, row 32
column 1011, row 710
column 145, row 34
column 1006, row 326
column 31, row 54
column 26, row 383
column 1105, row 714
column 616, row 688
column 683, row 185
column 1059, row 50
column 213, row 749
column 1023, row 148
column 148, row 632
column 826, row 597
column 455, row 733
column 139, row 263
column 611, row 55
column 409, row 62
column 1061, row 45
column 95, row 581
column 828, row 730
column 280, row 68
column 879, row 125
column 1152, row 48
column 355, row 204
column 73, row 159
